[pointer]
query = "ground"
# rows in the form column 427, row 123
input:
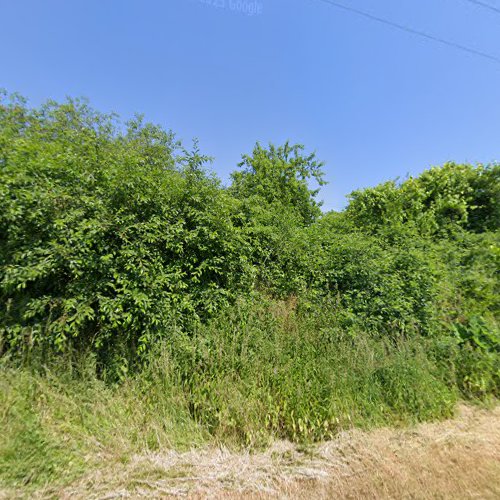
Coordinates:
column 458, row 458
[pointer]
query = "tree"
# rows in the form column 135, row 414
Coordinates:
column 439, row 201
column 279, row 175
column 109, row 238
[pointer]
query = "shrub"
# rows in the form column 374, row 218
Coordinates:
column 109, row 239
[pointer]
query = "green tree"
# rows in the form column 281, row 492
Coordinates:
column 280, row 175
column 440, row 200
column 109, row 238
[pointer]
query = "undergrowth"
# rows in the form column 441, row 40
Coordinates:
column 145, row 306
column 261, row 370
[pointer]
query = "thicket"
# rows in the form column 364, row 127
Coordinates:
column 197, row 311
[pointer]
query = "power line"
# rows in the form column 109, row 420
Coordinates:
column 485, row 5
column 412, row 31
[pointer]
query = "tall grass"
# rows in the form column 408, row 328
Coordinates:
column 272, row 370
column 261, row 370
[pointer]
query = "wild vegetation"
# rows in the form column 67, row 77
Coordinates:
column 145, row 305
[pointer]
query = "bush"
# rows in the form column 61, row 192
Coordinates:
column 109, row 239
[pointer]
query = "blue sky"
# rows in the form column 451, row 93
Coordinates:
column 375, row 103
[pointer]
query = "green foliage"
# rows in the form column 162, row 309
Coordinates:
column 29, row 453
column 108, row 238
column 440, row 199
column 54, row 422
column 479, row 362
column 277, row 368
column 277, row 176
column 144, row 305
column 262, row 369
column 384, row 289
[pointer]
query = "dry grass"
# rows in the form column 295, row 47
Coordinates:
column 458, row 458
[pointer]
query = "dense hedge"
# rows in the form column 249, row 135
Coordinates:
column 107, row 238
column 114, row 237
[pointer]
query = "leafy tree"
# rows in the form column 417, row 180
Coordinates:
column 279, row 175
column 440, row 200
column 109, row 239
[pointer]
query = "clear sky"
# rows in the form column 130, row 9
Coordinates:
column 375, row 103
